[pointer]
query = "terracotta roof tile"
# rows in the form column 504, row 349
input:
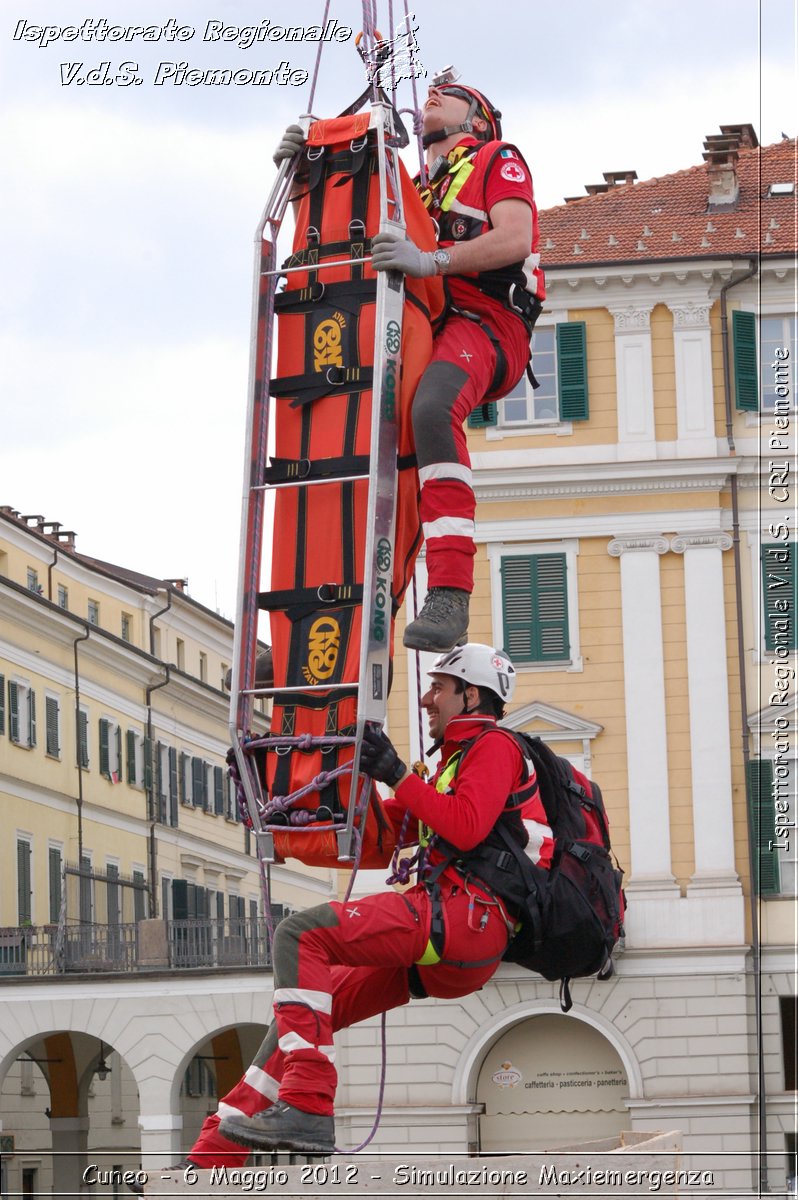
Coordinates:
column 671, row 217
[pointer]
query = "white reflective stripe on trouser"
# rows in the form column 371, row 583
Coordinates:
column 448, row 470
column 449, row 527
column 257, row 1078
column 318, row 1001
column 292, row 1041
column 229, row 1110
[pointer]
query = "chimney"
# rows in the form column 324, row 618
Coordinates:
column 721, row 152
column 617, row 178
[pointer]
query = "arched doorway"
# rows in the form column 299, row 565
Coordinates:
column 550, row 1080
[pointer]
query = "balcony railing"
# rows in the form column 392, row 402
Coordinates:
column 78, row 949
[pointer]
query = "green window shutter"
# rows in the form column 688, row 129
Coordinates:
column 54, row 869
column 172, row 786
column 139, row 897
column 130, row 748
column 218, row 791
column 572, row 370
column 31, row 717
column 780, row 595
column 746, row 374
column 13, row 710
column 118, row 740
column 83, row 738
column 484, row 415
column 2, row 703
column 184, row 779
column 197, row 782
column 535, row 607
column 114, row 910
column 105, row 757
column 763, row 826
column 148, row 764
column 51, row 714
column 180, row 899
column 24, row 908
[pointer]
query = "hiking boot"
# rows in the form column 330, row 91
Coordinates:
column 264, row 671
column 138, row 1188
column 281, row 1126
column 442, row 622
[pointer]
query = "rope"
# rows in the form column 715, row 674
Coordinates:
column 318, row 60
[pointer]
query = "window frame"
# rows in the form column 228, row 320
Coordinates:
column 497, row 551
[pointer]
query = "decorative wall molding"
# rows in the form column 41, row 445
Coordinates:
column 632, row 318
column 701, row 541
column 690, row 315
column 632, row 545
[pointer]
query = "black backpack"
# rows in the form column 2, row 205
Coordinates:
column 571, row 915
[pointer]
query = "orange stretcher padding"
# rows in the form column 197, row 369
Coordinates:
column 320, row 531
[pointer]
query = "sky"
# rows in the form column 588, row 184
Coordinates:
column 128, row 211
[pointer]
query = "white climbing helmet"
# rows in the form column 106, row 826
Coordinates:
column 481, row 666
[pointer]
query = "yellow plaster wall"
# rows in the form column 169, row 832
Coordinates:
column 664, row 373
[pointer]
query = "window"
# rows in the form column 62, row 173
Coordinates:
column 127, row 621
column 535, row 607
column 55, row 864
column 33, row 581
column 173, row 786
column 231, row 812
column 560, row 367
column 526, row 405
column 772, row 798
column 21, row 713
column 110, row 750
column 184, row 778
column 772, row 370
column 777, row 343
column 52, row 721
column 780, row 596
column 63, row 596
column 203, row 667
column 24, row 882
column 94, row 612
column 181, row 655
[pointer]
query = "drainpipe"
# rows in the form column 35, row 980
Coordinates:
column 152, row 850
column 756, row 949
column 50, row 575
column 151, row 814
column 83, row 637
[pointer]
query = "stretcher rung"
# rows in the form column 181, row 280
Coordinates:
column 273, row 691
column 322, row 266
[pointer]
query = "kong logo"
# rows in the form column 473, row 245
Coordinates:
column 324, row 643
column 393, row 337
column 327, row 348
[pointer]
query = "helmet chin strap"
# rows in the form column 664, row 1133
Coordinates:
column 429, row 139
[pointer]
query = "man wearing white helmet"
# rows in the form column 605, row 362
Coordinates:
column 444, row 936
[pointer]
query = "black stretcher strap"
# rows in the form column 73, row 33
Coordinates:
column 297, row 603
column 310, row 255
column 307, row 388
column 334, row 294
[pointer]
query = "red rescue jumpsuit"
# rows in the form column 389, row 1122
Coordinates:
column 463, row 372
column 338, row 963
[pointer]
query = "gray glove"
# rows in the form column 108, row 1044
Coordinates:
column 291, row 143
column 392, row 252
